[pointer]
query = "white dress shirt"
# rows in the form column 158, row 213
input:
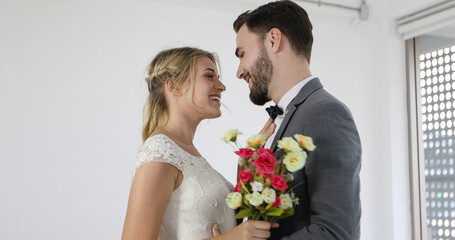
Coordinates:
column 284, row 104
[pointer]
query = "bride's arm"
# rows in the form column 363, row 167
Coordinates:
column 151, row 190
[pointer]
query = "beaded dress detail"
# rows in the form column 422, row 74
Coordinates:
column 199, row 201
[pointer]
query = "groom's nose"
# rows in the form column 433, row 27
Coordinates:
column 240, row 72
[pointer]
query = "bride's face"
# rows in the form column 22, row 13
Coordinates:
column 205, row 98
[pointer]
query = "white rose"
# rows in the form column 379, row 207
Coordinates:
column 234, row 200
column 269, row 195
column 231, row 135
column 286, row 201
column 305, row 142
column 295, row 160
column 255, row 199
column 256, row 186
column 256, row 141
column 289, row 144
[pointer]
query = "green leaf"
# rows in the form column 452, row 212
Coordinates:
column 288, row 212
column 244, row 213
column 246, row 202
column 274, row 212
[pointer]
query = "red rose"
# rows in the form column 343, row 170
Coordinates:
column 262, row 150
column 245, row 176
column 277, row 202
column 245, row 152
column 278, row 182
column 265, row 162
column 237, row 187
column 266, row 175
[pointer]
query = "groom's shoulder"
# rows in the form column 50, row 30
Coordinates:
column 322, row 97
column 321, row 102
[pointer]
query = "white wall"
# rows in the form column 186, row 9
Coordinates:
column 72, row 90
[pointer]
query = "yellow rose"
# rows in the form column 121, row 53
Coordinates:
column 305, row 142
column 268, row 195
column 234, row 200
column 231, row 135
column 295, row 161
column 286, row 201
column 255, row 198
column 289, row 145
column 256, row 141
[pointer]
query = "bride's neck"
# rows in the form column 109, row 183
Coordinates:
column 180, row 130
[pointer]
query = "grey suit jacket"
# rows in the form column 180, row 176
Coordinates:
column 329, row 206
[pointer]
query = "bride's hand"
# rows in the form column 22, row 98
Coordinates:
column 247, row 230
column 268, row 129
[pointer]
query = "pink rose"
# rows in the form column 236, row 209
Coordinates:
column 245, row 152
column 237, row 187
column 278, row 182
column 277, row 202
column 245, row 176
column 265, row 162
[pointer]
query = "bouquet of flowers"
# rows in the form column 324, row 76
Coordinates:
column 264, row 190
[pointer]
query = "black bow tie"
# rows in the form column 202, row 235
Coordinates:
column 274, row 111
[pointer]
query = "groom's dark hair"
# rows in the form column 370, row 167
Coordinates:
column 287, row 16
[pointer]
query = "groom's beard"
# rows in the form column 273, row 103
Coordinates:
column 261, row 73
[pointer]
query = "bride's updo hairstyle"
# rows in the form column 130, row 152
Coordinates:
column 177, row 65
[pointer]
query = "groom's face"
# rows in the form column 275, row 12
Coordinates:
column 255, row 66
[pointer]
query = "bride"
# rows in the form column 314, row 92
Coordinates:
column 175, row 193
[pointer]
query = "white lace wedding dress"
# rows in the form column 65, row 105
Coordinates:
column 199, row 201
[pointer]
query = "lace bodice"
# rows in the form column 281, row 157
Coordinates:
column 199, row 201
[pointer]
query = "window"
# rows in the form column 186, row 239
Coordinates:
column 430, row 62
column 431, row 92
column 435, row 61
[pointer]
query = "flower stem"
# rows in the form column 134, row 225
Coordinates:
column 236, row 149
column 298, row 184
column 243, row 186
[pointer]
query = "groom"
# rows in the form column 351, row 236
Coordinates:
column 274, row 45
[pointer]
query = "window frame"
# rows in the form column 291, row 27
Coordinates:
column 416, row 150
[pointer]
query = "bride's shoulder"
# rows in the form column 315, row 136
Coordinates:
column 158, row 140
column 158, row 144
column 159, row 148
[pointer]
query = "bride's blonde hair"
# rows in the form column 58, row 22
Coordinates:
column 176, row 64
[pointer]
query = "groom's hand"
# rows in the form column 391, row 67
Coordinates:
column 268, row 129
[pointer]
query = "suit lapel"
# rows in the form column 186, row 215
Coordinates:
column 304, row 93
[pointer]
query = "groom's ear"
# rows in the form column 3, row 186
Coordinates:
column 275, row 39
